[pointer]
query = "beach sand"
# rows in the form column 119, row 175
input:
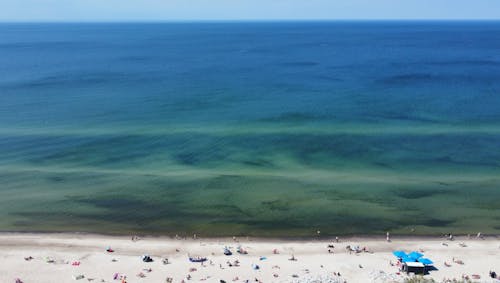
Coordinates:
column 313, row 260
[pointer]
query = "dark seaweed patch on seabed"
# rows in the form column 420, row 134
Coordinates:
column 434, row 222
column 448, row 159
column 229, row 209
column 41, row 220
column 201, row 156
column 415, row 193
column 56, row 179
column 121, row 208
column 292, row 117
column 188, row 158
column 102, row 151
column 336, row 195
column 492, row 204
column 418, row 218
column 111, row 202
column 261, row 224
column 259, row 162
column 404, row 117
column 225, row 181
column 279, row 205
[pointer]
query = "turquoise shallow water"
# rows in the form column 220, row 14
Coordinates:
column 268, row 129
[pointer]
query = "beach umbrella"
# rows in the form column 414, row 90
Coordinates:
column 407, row 259
column 415, row 255
column 399, row 253
column 425, row 261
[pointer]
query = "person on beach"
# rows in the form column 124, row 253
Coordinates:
column 388, row 237
column 348, row 249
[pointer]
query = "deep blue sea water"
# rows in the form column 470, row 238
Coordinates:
column 270, row 129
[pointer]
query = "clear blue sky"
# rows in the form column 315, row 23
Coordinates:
column 167, row 10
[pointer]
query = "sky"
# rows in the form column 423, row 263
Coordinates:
column 194, row 10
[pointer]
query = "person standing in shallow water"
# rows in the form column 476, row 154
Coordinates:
column 388, row 237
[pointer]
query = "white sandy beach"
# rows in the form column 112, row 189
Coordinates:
column 313, row 259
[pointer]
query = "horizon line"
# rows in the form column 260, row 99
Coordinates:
column 247, row 20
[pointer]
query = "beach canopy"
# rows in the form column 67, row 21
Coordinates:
column 425, row 261
column 399, row 253
column 415, row 255
column 407, row 259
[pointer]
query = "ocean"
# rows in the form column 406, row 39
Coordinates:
column 271, row 129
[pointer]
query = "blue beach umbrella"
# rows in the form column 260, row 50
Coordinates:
column 407, row 259
column 415, row 255
column 399, row 253
column 425, row 261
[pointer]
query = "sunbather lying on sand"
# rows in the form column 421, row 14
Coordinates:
column 458, row 261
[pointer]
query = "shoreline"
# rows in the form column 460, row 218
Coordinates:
column 259, row 238
column 312, row 258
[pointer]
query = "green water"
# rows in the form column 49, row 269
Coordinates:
column 341, row 180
